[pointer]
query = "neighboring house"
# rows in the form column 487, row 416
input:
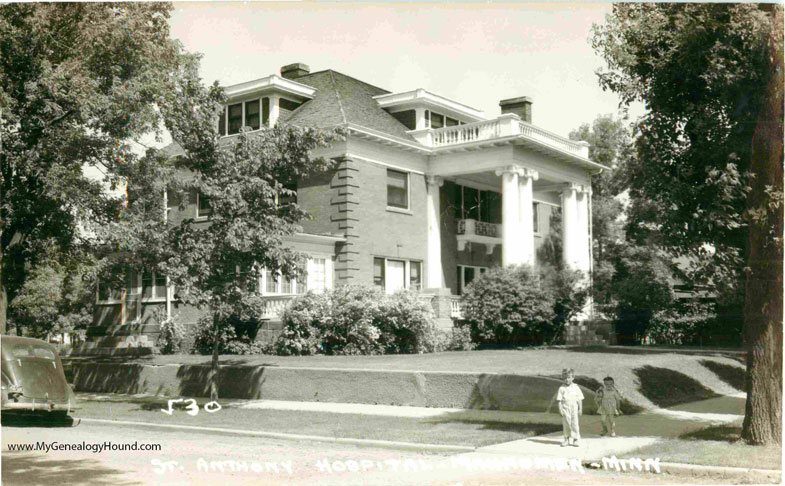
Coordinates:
column 427, row 194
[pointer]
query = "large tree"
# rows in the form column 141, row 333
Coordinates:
column 79, row 83
column 215, row 265
column 703, row 72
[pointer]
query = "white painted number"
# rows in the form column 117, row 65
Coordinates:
column 212, row 407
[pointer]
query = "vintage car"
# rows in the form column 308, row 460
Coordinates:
column 33, row 378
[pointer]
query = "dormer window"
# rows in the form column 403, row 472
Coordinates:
column 252, row 114
column 235, row 118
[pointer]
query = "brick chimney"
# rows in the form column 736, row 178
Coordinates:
column 294, row 71
column 520, row 106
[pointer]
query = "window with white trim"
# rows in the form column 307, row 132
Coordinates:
column 391, row 274
column 316, row 277
column 253, row 114
column 397, row 189
column 203, row 209
column 467, row 274
column 137, row 288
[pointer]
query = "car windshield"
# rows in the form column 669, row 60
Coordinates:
column 30, row 351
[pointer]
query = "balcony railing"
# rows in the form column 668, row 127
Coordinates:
column 473, row 231
column 504, row 126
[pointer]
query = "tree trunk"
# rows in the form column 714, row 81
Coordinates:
column 763, row 300
column 3, row 303
column 213, row 379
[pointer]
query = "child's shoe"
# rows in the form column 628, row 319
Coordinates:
column 575, row 443
column 613, row 434
column 565, row 442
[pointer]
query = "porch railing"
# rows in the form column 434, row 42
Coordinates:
column 456, row 308
column 274, row 305
column 503, row 126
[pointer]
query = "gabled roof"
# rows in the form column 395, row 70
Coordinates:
column 341, row 99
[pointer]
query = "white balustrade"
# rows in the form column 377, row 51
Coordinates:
column 274, row 305
column 456, row 309
column 503, row 126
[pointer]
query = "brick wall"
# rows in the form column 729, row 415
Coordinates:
column 381, row 232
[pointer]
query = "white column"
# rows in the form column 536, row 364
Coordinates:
column 583, row 244
column 420, row 120
column 526, row 214
column 274, row 109
column 511, row 254
column 569, row 205
column 433, row 208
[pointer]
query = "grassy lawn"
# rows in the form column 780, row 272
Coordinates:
column 448, row 430
column 717, row 445
column 590, row 363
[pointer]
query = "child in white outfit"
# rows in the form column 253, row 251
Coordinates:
column 570, row 400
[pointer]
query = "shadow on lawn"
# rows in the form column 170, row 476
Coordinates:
column 29, row 469
column 525, row 429
column 666, row 387
column 41, row 420
column 724, row 433
column 732, row 375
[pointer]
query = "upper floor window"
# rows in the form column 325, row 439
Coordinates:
column 437, row 120
column 252, row 114
column 397, row 189
column 235, row 118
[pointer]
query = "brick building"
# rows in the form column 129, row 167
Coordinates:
column 427, row 194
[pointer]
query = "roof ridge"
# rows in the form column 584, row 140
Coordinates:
column 331, row 71
column 337, row 96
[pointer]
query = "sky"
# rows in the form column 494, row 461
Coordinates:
column 474, row 53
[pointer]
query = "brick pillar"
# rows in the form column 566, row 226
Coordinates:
column 345, row 204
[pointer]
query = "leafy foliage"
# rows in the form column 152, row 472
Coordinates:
column 642, row 288
column 701, row 69
column 355, row 319
column 79, row 84
column 57, row 295
column 509, row 306
column 173, row 334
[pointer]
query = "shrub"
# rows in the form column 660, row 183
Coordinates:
column 172, row 336
column 458, row 338
column 406, row 324
column 569, row 293
column 354, row 319
column 508, row 306
column 301, row 321
column 204, row 336
column 690, row 322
